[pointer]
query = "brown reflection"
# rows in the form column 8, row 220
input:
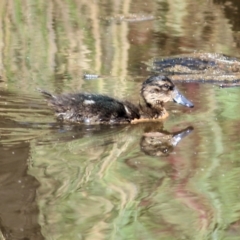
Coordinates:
column 162, row 143
column 18, row 207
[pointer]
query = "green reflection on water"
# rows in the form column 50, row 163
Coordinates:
column 97, row 183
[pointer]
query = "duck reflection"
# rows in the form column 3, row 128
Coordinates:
column 155, row 141
column 162, row 143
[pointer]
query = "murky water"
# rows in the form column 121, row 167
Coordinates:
column 59, row 181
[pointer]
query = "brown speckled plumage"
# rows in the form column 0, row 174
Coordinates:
column 95, row 108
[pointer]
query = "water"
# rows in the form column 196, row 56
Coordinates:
column 59, row 181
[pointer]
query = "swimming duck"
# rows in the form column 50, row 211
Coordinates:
column 95, row 108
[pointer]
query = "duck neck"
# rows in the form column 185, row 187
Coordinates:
column 151, row 112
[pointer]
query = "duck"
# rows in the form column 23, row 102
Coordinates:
column 92, row 108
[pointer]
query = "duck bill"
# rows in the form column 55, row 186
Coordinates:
column 179, row 98
column 177, row 137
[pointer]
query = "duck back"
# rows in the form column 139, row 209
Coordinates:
column 91, row 108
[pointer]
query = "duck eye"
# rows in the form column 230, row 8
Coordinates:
column 166, row 86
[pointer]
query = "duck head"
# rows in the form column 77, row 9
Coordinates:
column 158, row 90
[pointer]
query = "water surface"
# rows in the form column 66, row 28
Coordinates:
column 60, row 181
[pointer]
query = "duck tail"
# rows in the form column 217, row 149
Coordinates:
column 46, row 93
